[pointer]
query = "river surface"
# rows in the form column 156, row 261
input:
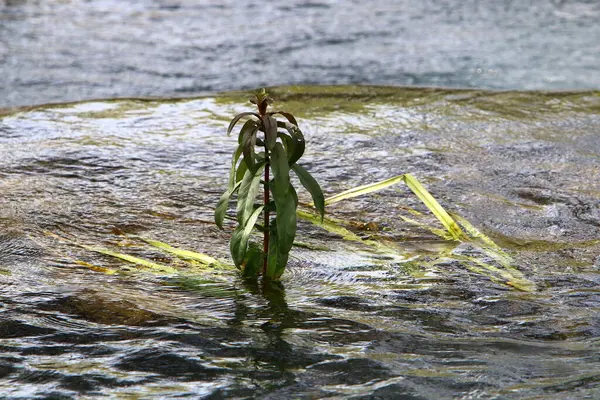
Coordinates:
column 438, row 319
column 55, row 51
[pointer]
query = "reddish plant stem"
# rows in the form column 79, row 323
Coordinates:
column 266, row 224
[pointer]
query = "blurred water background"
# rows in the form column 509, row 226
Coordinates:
column 64, row 50
column 445, row 323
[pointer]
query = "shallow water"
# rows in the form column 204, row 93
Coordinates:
column 56, row 51
column 349, row 323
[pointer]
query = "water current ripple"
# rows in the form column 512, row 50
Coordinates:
column 347, row 321
column 74, row 50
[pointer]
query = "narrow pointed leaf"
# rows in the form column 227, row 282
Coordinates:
column 286, row 221
column 247, row 194
column 299, row 142
column 234, row 161
column 237, row 118
column 289, row 144
column 270, row 125
column 249, row 226
column 222, row 205
column 281, row 173
column 240, row 172
column 282, row 259
column 287, row 115
column 250, row 126
column 477, row 234
column 417, row 189
column 434, row 207
column 248, row 144
column 235, row 246
column 313, row 188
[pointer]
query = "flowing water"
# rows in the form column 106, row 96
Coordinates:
column 433, row 321
column 65, row 50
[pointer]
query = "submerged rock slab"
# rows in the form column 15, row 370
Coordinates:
column 520, row 166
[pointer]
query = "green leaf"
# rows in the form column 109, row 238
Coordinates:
column 313, row 188
column 237, row 118
column 273, row 253
column 281, row 172
column 250, row 125
column 222, row 205
column 235, row 247
column 286, row 221
column 282, row 259
column 234, row 161
column 239, row 239
column 298, row 140
column 288, row 143
column 248, row 144
column 270, row 125
column 241, row 171
column 250, row 225
column 247, row 194
column 287, row 115
column 276, row 259
column 434, row 207
column 254, row 261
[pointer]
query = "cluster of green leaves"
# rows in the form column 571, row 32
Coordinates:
column 266, row 144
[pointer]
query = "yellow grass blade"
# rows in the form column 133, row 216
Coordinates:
column 434, row 207
column 181, row 253
column 512, row 278
column 132, row 259
column 364, row 189
column 335, row 226
column 436, row 231
column 104, row 270
column 416, row 187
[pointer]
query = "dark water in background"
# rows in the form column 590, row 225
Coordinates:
column 52, row 51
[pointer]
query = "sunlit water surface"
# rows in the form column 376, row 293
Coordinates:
column 349, row 323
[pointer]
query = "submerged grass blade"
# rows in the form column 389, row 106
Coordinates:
column 180, row 253
column 506, row 274
column 364, row 189
column 336, row 226
column 132, row 259
column 436, row 231
column 330, row 225
column 415, row 186
column 489, row 245
column 125, row 257
column 435, row 207
column 104, row 270
column 516, row 280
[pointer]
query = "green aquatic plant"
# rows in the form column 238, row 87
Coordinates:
column 266, row 145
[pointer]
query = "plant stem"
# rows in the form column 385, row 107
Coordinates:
column 266, row 231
